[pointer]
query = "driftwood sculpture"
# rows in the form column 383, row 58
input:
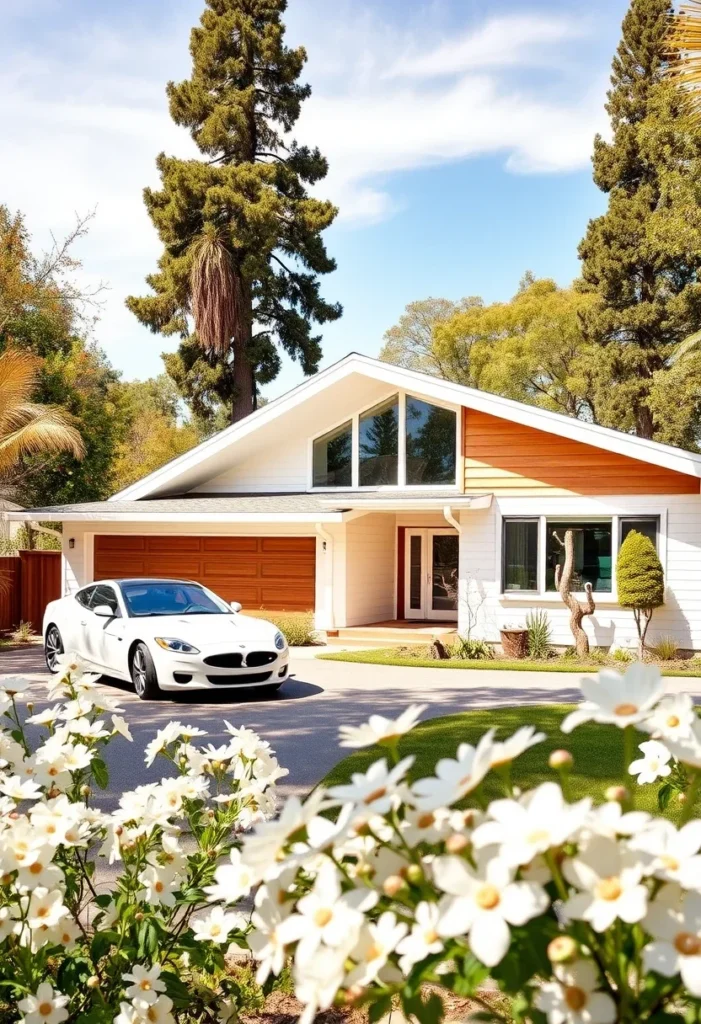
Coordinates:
column 563, row 582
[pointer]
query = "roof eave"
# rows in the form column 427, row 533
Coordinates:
column 38, row 515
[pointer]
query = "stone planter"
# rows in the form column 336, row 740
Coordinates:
column 514, row 643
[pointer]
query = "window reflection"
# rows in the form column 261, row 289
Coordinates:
column 379, row 444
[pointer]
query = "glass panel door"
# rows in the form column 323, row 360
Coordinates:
column 444, row 574
column 431, row 575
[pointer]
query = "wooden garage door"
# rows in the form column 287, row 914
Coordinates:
column 277, row 573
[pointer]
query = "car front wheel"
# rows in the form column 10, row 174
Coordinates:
column 53, row 648
column 143, row 674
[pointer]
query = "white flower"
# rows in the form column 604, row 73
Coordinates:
column 14, row 685
column 77, row 756
column 159, row 1011
column 524, row 828
column 265, row 941
column 66, row 933
column 54, row 819
column 46, row 1006
column 41, row 872
column 423, row 939
column 216, row 925
column 232, row 881
column 676, row 930
column 326, row 914
column 485, row 904
column 376, row 789
column 611, row 820
column 377, row 940
column 379, row 729
column 19, row 845
column 613, row 699
column 45, row 908
column 160, row 884
column 20, row 789
column 654, row 763
column 609, row 879
column 46, row 717
column 317, row 981
column 688, row 749
column 128, row 1014
column 674, row 855
column 455, row 778
column 146, row 983
column 121, row 726
column 505, row 751
column 71, row 663
column 573, row 998
column 673, row 717
column 263, row 849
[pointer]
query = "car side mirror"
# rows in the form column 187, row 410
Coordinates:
column 103, row 611
column 236, row 606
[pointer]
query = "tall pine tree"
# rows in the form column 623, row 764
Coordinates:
column 643, row 256
column 242, row 245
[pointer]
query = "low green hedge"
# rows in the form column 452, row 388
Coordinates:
column 296, row 627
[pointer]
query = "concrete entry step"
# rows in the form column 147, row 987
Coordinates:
column 393, row 634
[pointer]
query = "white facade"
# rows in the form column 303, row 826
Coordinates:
column 359, row 578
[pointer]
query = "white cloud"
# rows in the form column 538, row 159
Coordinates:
column 84, row 116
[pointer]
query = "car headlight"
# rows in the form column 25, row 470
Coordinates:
column 170, row 643
column 280, row 641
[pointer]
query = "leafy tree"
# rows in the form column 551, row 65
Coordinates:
column 150, row 433
column 410, row 343
column 640, row 581
column 242, row 245
column 643, row 256
column 530, row 348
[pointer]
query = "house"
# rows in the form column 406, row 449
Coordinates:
column 373, row 493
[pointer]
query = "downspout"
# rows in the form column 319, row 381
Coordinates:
column 450, row 518
column 328, row 572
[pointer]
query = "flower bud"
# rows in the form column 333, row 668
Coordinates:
column 560, row 759
column 562, row 950
column 119, row 831
column 139, row 915
column 354, row 994
column 456, row 843
column 393, row 885
column 618, row 793
column 414, row 874
column 85, row 791
column 93, row 981
column 682, row 798
column 30, row 706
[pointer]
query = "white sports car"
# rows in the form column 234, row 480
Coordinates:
column 165, row 635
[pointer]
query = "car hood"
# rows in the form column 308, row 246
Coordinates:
column 201, row 630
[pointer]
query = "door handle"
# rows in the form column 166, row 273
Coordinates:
column 83, row 622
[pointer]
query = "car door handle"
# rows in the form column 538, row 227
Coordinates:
column 83, row 622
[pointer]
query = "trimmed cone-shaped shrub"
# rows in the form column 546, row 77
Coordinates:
column 640, row 580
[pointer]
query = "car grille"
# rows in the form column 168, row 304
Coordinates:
column 242, row 677
column 235, row 659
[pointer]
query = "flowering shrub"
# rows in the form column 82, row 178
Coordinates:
column 120, row 916
column 382, row 890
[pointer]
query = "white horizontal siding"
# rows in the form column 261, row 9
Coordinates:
column 370, row 569
column 680, row 617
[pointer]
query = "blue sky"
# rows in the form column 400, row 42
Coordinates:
column 459, row 134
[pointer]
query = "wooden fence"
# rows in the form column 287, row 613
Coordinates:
column 28, row 582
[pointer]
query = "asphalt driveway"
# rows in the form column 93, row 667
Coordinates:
column 301, row 721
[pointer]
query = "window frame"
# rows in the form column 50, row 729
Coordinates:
column 401, row 484
column 544, row 596
column 318, row 437
column 502, row 559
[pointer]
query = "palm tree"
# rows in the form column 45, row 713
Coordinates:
column 27, row 428
column 684, row 40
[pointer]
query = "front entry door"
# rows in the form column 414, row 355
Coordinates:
column 431, row 574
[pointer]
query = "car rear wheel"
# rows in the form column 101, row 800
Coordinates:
column 143, row 674
column 53, row 648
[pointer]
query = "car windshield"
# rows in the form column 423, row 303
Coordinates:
column 171, row 599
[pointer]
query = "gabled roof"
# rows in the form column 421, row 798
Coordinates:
column 166, row 479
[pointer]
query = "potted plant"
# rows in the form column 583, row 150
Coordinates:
column 514, row 640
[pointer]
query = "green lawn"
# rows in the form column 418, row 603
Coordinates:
column 392, row 656
column 597, row 751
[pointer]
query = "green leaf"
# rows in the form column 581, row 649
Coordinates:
column 100, row 772
column 664, row 795
column 177, row 990
column 379, row 1009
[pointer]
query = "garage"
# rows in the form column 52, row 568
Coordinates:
column 277, row 573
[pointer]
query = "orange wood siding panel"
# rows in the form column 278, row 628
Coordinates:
column 277, row 573
column 506, row 458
